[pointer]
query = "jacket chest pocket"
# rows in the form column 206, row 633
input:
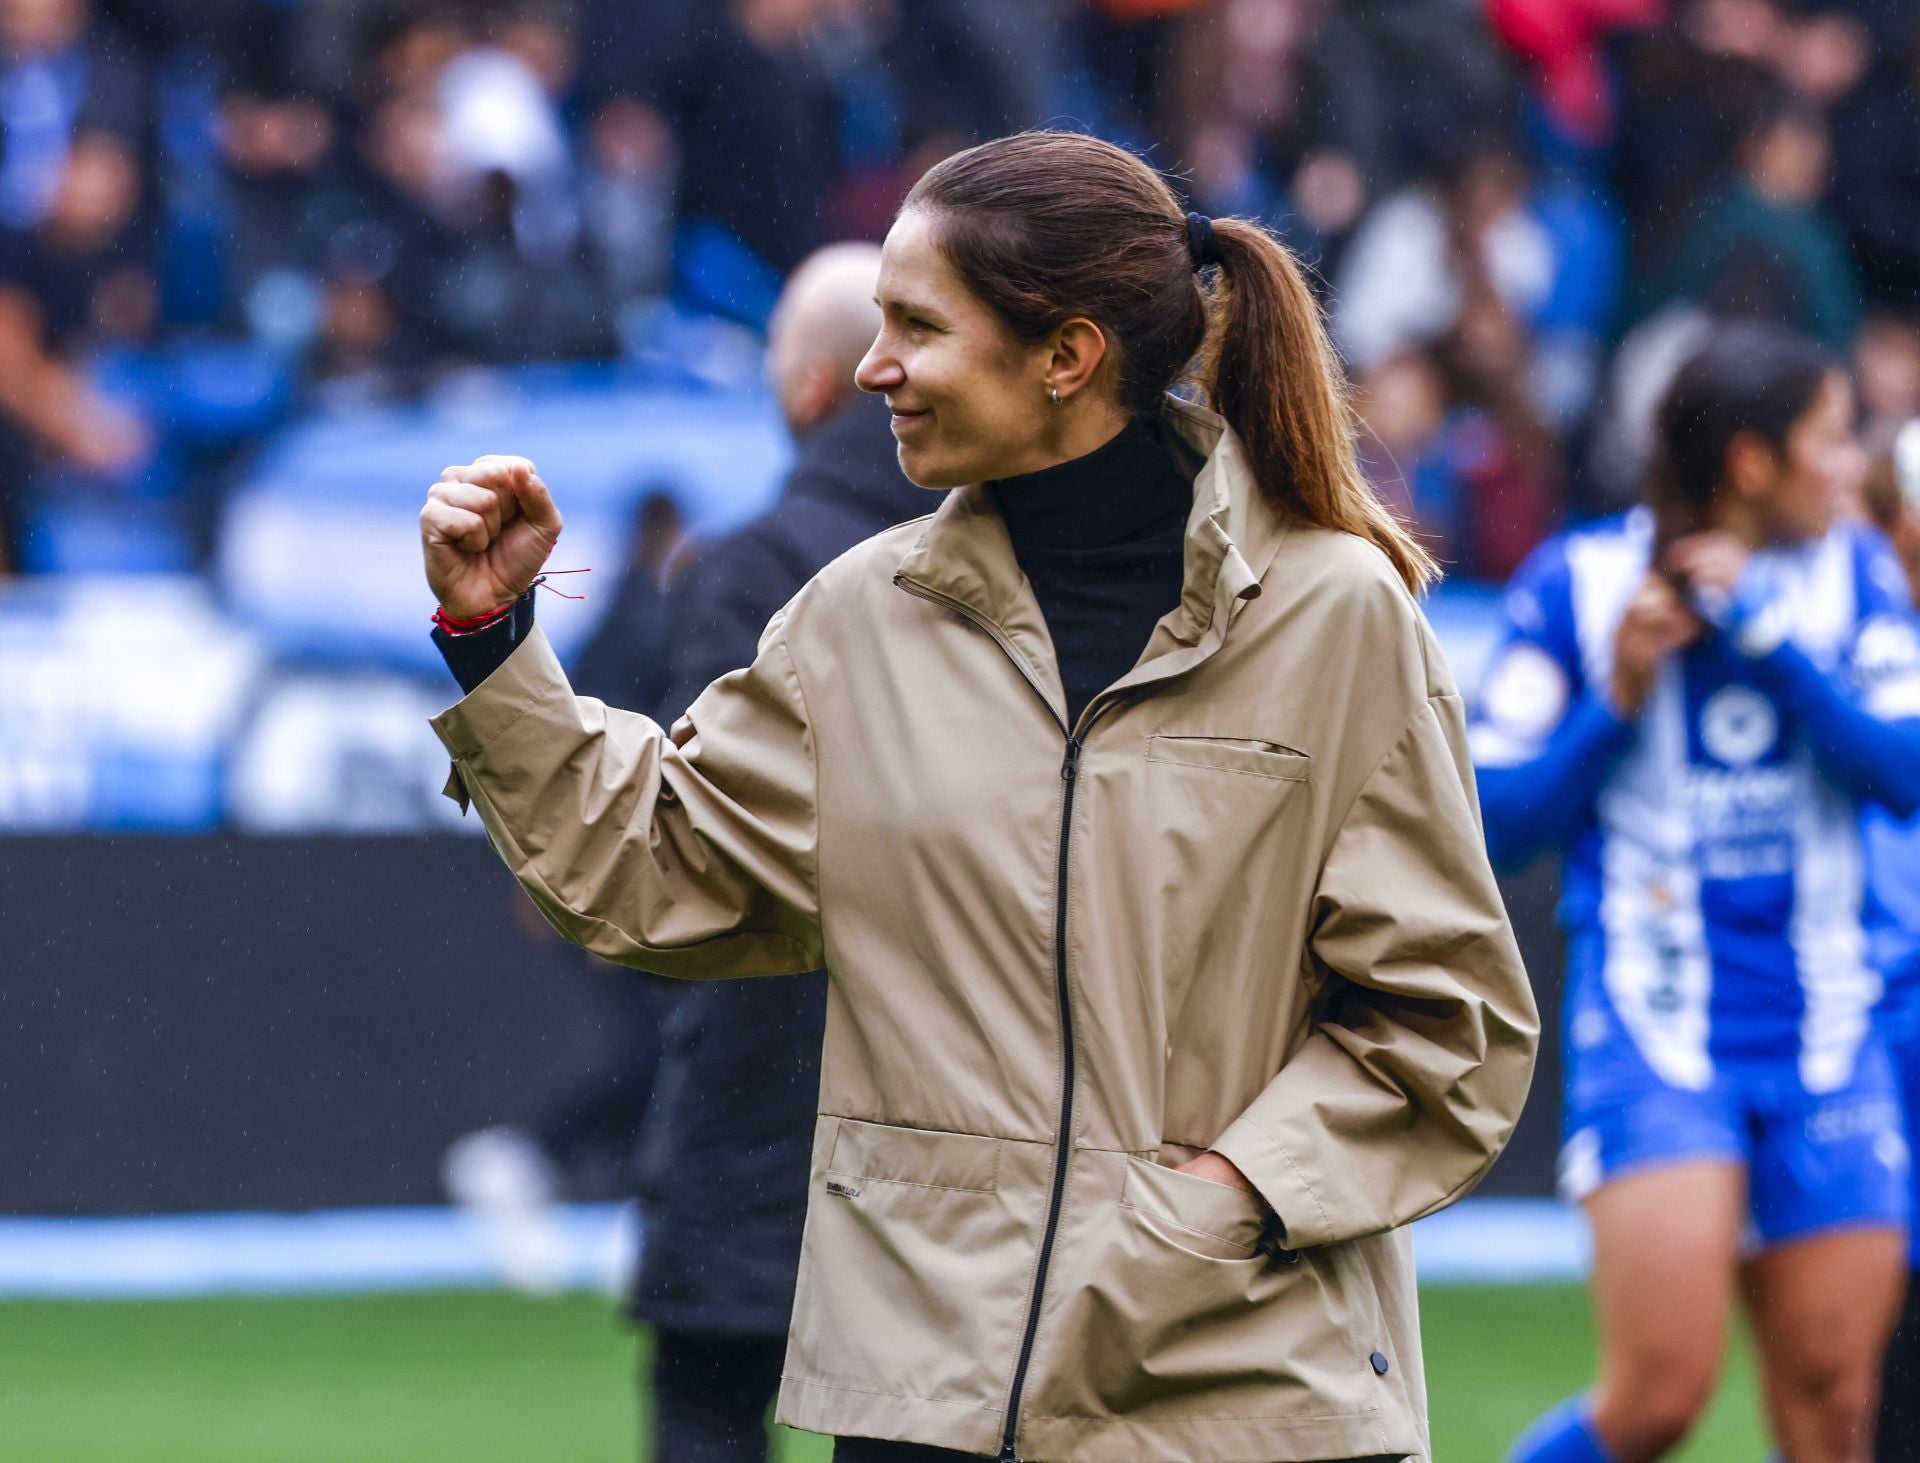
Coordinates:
column 1246, row 756
column 1227, row 804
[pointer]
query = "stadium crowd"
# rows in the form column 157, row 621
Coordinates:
column 217, row 216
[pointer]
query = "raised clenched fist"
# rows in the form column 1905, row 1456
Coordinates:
column 486, row 530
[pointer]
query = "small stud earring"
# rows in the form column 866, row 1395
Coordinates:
column 1055, row 394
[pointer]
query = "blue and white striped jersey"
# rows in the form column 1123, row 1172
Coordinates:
column 1714, row 845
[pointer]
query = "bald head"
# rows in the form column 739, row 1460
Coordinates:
column 822, row 326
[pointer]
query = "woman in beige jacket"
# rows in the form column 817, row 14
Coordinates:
column 1125, row 798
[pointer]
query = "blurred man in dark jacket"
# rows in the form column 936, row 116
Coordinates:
column 724, row 1150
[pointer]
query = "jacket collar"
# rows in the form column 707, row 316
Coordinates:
column 966, row 558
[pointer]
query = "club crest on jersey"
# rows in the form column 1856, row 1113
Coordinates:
column 1738, row 726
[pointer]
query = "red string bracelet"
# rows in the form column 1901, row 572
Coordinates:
column 477, row 623
column 445, row 622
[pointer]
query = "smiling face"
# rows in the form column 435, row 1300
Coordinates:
column 970, row 400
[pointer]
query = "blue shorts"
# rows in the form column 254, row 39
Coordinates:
column 1814, row 1161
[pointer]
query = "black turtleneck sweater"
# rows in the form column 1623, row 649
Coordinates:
column 1102, row 540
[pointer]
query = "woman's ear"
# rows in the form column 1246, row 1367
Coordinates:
column 1075, row 351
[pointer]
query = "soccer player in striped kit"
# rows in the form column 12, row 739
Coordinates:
column 1675, row 707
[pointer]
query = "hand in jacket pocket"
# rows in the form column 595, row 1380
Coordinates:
column 1216, row 1169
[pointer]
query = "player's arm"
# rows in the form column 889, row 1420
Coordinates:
column 1537, row 802
column 1544, row 740
column 1875, row 757
column 1862, row 718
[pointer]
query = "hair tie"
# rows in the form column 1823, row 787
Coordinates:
column 1200, row 240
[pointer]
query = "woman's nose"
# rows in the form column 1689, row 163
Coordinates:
column 878, row 371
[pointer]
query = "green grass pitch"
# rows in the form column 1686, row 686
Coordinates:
column 489, row 1378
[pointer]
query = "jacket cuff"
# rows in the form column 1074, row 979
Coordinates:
column 1273, row 1171
column 472, row 658
column 529, row 676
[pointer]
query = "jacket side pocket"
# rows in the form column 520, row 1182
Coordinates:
column 915, row 1238
column 923, row 1156
column 1219, row 1221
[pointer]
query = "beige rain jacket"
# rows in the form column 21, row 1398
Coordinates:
column 1245, row 905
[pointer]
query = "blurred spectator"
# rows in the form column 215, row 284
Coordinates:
column 1453, row 439
column 626, row 662
column 1131, row 49
column 455, row 236
column 1393, row 84
column 1402, row 406
column 1237, row 103
column 73, row 266
column 1688, row 93
column 1693, row 93
column 1760, row 244
column 850, row 101
column 278, row 144
column 1503, row 451
column 516, row 283
column 725, row 1147
column 754, row 116
column 1876, row 192
column 78, row 279
column 1563, row 44
column 61, row 77
column 1302, row 112
column 630, row 173
column 379, row 256
column 329, row 231
column 964, row 70
column 915, row 80
column 500, row 111
column 1886, row 372
column 1420, row 252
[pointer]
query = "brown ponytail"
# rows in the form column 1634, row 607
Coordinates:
column 1046, row 226
column 1269, row 367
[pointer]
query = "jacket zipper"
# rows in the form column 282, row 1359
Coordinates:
column 1063, row 1141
